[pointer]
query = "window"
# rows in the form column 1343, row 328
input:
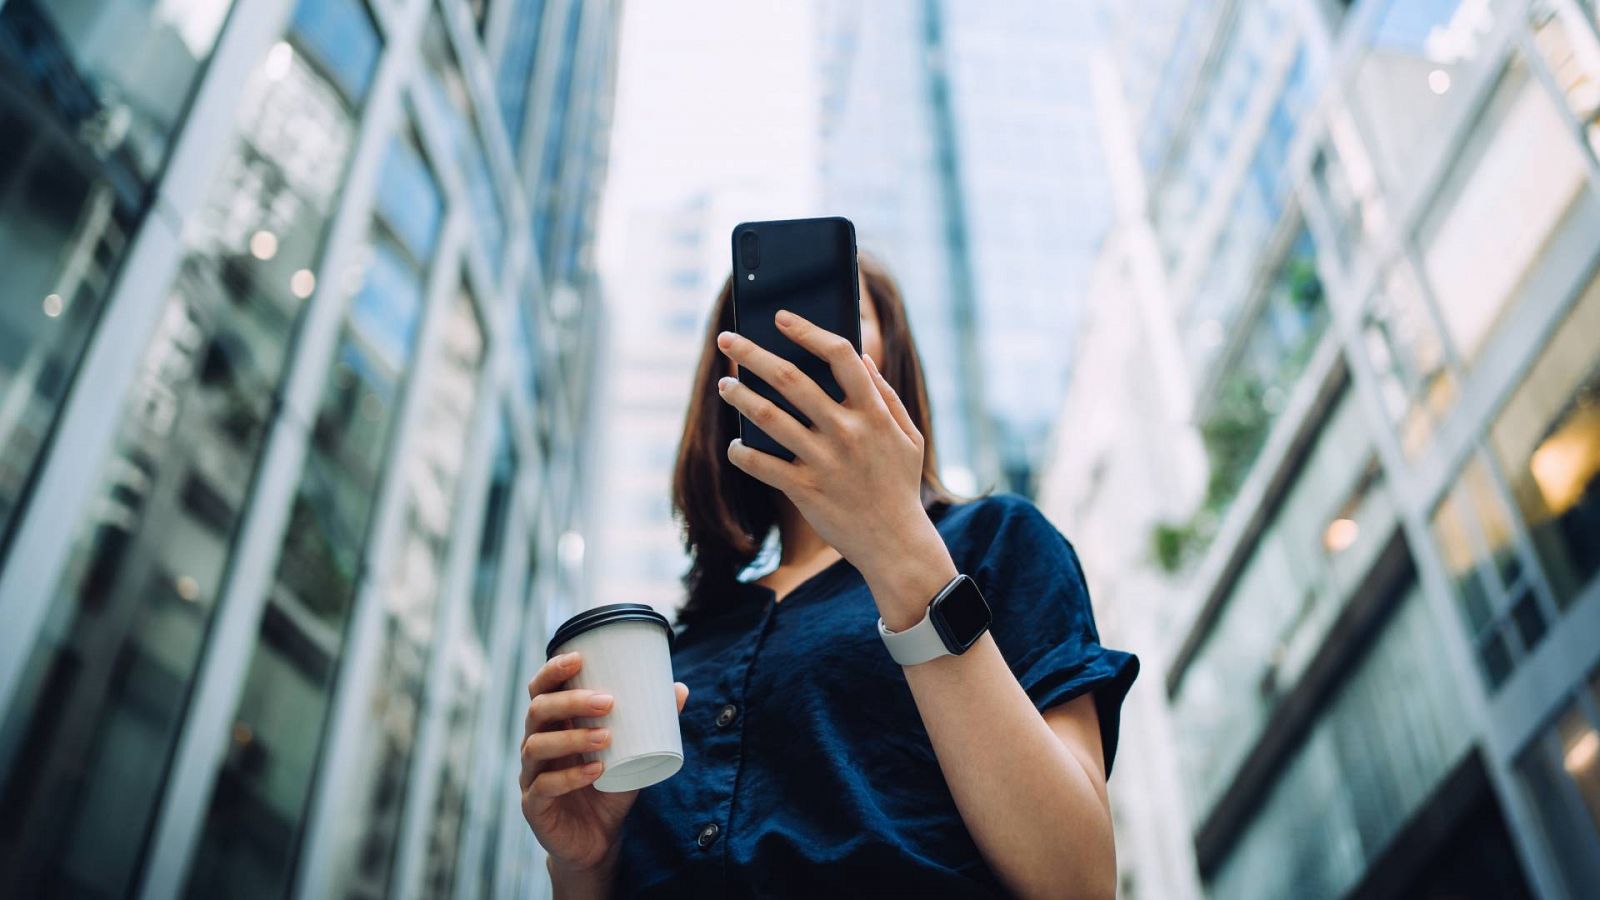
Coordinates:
column 409, row 198
column 1561, row 768
column 1497, row 594
column 340, row 37
column 514, row 76
column 1404, row 86
column 471, row 650
column 263, row 789
column 444, row 93
column 111, row 673
column 1572, row 55
column 412, row 592
column 1506, row 197
column 1406, row 349
column 1385, row 738
column 1332, row 522
column 94, row 94
column 1547, row 439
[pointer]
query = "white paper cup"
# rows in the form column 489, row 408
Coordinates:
column 626, row 652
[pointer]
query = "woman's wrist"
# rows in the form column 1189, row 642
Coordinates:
column 575, row 882
column 904, row 582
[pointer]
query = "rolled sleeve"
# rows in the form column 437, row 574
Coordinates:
column 1043, row 621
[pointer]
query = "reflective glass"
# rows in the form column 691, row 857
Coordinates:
column 1547, row 438
column 1561, row 768
column 471, row 679
column 409, row 198
column 1255, row 386
column 1406, row 83
column 1288, row 594
column 1572, row 53
column 1406, row 349
column 108, row 681
column 1509, row 194
column 1379, row 748
column 94, row 92
column 340, row 36
column 1472, row 527
column 444, row 92
column 1256, row 35
column 514, row 77
column 412, row 596
column 258, row 807
column 551, row 158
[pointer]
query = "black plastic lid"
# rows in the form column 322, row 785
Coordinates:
column 605, row 615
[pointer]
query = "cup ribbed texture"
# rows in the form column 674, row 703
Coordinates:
column 630, row 660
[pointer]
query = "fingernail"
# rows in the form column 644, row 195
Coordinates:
column 598, row 736
column 600, row 701
column 725, row 337
column 784, row 317
column 567, row 659
column 725, row 382
column 592, row 768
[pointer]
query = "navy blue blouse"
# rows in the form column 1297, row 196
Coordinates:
column 807, row 770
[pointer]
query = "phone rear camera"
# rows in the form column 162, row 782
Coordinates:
column 749, row 250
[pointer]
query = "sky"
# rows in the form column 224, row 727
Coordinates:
column 712, row 95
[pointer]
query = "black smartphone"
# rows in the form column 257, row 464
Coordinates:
column 807, row 266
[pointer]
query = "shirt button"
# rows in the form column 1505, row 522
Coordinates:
column 727, row 715
column 708, row 835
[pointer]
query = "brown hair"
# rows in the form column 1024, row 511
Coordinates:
column 726, row 514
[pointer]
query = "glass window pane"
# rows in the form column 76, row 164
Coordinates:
column 111, row 674
column 1570, row 814
column 1572, row 53
column 119, row 71
column 1457, row 548
column 1580, row 756
column 412, row 595
column 514, row 77
column 1382, row 743
column 259, row 803
column 1404, row 85
column 409, row 198
column 1507, row 195
column 341, row 37
column 94, row 93
column 1407, row 354
column 444, row 92
column 470, row 682
column 1547, row 438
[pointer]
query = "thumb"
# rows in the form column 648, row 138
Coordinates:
column 682, row 690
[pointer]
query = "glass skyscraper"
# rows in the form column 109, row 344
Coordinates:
column 294, row 356
column 1335, row 469
column 959, row 136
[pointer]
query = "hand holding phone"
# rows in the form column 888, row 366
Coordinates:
column 807, row 266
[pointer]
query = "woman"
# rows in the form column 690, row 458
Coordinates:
column 813, row 763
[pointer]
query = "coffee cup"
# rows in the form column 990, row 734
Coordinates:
column 626, row 652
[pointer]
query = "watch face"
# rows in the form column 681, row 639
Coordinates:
column 961, row 616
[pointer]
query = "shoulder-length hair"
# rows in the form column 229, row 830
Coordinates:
column 724, row 513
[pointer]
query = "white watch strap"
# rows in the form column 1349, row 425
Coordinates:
column 916, row 644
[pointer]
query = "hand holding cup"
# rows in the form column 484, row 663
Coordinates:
column 575, row 823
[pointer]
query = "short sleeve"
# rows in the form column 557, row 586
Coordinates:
column 1043, row 622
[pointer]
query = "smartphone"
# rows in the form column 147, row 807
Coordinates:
column 807, row 266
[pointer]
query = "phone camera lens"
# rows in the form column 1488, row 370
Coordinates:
column 749, row 250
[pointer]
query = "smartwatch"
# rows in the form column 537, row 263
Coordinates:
column 957, row 616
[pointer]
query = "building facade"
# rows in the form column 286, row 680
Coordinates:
column 1341, row 486
column 293, row 366
column 959, row 137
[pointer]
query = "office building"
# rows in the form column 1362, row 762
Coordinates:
column 959, row 136
column 297, row 337
column 1340, row 487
